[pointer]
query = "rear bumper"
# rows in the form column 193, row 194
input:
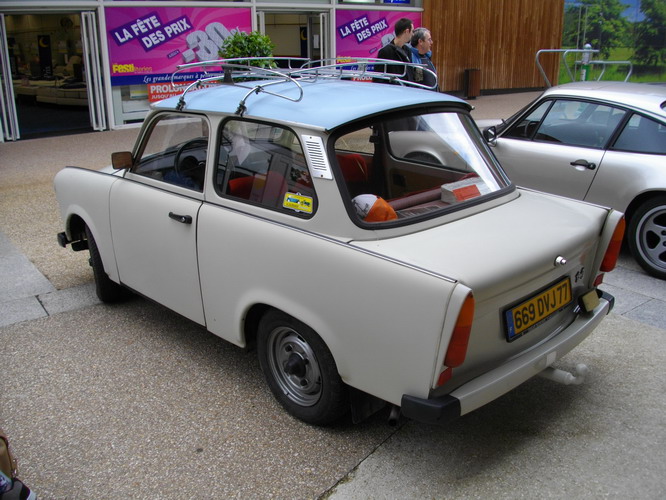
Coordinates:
column 493, row 384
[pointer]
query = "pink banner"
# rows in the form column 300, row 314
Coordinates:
column 147, row 43
column 361, row 33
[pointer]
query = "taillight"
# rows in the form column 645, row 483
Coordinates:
column 613, row 250
column 455, row 354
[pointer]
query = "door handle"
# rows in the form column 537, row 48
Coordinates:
column 583, row 163
column 184, row 219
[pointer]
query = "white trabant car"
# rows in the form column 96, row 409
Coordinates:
column 360, row 235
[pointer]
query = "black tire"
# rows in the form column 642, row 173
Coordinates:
column 646, row 236
column 300, row 370
column 107, row 290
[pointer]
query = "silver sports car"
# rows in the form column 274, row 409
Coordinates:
column 602, row 142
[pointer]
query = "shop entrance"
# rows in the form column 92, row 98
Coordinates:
column 46, row 75
column 297, row 34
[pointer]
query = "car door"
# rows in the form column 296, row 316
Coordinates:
column 154, row 213
column 558, row 146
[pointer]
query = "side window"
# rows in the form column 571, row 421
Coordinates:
column 174, row 151
column 264, row 164
column 642, row 135
column 525, row 128
column 579, row 123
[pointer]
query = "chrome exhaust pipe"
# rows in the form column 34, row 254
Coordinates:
column 564, row 377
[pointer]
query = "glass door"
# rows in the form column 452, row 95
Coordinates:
column 93, row 77
column 297, row 33
column 9, row 130
column 318, row 39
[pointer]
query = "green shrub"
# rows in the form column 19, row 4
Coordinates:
column 254, row 44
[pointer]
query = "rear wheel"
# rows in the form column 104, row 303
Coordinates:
column 107, row 290
column 647, row 236
column 300, row 370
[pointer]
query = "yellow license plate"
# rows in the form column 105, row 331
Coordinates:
column 531, row 313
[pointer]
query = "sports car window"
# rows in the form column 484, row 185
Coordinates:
column 525, row 127
column 399, row 170
column 175, row 151
column 642, row 135
column 264, row 164
column 579, row 123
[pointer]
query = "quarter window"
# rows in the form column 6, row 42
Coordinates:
column 264, row 165
column 525, row 128
column 175, row 151
column 642, row 135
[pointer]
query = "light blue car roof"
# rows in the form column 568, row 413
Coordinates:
column 326, row 103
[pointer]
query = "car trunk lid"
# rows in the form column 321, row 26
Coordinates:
column 523, row 252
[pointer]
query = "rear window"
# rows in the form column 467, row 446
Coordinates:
column 397, row 170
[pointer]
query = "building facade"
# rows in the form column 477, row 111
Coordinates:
column 98, row 64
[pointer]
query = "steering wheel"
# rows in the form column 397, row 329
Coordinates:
column 188, row 166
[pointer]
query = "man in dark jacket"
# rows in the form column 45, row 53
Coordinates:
column 398, row 49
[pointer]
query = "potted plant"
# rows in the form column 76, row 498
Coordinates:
column 253, row 44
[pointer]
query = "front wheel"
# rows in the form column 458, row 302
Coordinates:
column 300, row 370
column 647, row 236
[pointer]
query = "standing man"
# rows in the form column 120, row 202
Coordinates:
column 421, row 53
column 398, row 49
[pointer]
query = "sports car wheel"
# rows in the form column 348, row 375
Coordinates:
column 107, row 290
column 647, row 236
column 300, row 370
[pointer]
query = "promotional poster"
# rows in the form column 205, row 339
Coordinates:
column 362, row 33
column 146, row 44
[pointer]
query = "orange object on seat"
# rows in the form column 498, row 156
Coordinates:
column 381, row 211
column 372, row 208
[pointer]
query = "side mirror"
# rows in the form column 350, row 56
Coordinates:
column 122, row 160
column 490, row 135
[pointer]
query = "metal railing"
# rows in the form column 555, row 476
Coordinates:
column 591, row 62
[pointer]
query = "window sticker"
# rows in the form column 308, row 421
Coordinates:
column 298, row 202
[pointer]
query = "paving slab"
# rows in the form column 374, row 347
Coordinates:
column 23, row 309
column 69, row 299
column 20, row 278
column 637, row 281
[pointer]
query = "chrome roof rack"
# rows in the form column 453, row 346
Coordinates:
column 241, row 73
column 364, row 68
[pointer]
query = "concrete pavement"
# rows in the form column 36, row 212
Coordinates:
column 134, row 401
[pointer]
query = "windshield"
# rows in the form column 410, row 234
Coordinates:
column 414, row 167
